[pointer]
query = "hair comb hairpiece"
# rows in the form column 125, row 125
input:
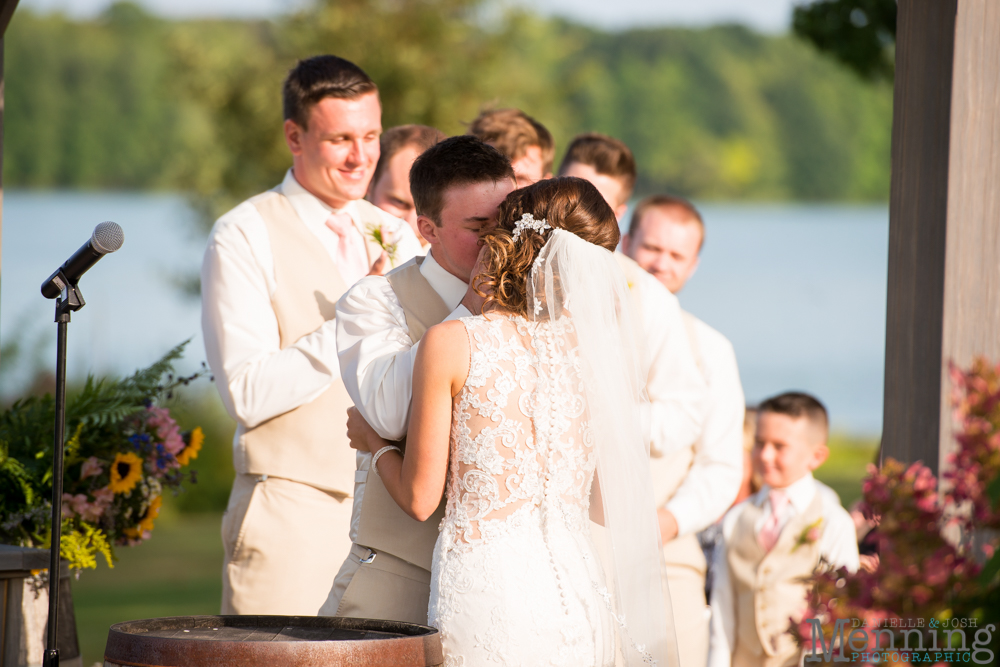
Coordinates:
column 528, row 221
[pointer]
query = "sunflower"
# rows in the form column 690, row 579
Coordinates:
column 126, row 471
column 190, row 452
column 146, row 524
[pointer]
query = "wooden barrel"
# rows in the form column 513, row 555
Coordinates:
column 259, row 641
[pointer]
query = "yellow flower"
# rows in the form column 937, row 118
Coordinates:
column 146, row 524
column 151, row 513
column 190, row 452
column 126, row 471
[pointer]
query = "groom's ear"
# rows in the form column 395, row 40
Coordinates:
column 428, row 229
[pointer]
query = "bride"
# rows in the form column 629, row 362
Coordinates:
column 526, row 418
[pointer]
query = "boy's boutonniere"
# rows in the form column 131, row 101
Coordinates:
column 809, row 534
column 386, row 239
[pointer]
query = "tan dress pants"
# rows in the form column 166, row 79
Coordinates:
column 284, row 542
column 379, row 585
column 685, row 572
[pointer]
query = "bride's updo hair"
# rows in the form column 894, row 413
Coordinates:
column 569, row 203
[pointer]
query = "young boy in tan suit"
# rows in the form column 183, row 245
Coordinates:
column 776, row 538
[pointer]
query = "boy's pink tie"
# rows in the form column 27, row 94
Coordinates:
column 352, row 258
column 769, row 532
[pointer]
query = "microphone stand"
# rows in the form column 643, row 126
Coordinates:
column 70, row 300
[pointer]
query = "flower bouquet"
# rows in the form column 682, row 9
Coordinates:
column 124, row 450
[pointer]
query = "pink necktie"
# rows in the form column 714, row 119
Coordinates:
column 352, row 258
column 769, row 532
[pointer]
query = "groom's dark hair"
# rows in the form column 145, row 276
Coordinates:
column 461, row 160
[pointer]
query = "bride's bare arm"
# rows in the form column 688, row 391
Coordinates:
column 416, row 481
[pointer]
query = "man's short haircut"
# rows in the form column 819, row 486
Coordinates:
column 512, row 132
column 319, row 77
column 606, row 155
column 797, row 404
column 397, row 138
column 689, row 213
column 456, row 161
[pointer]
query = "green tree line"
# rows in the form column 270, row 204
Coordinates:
column 132, row 101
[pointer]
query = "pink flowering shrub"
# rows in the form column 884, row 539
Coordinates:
column 923, row 575
column 974, row 474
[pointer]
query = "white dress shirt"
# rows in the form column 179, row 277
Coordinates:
column 678, row 396
column 256, row 378
column 713, row 481
column 838, row 545
column 377, row 355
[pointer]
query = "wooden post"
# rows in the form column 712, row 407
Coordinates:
column 972, row 255
column 944, row 210
column 917, row 220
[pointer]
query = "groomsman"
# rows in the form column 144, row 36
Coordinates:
column 695, row 479
column 526, row 142
column 274, row 268
column 607, row 163
column 457, row 186
column 665, row 237
column 390, row 186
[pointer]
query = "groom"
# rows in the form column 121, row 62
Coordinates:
column 457, row 186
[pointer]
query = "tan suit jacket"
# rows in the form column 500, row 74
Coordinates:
column 770, row 587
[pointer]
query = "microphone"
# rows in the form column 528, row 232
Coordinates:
column 107, row 237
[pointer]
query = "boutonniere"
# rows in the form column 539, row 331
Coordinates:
column 809, row 534
column 386, row 239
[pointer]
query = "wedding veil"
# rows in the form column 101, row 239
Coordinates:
column 576, row 281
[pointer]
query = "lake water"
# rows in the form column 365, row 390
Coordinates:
column 800, row 290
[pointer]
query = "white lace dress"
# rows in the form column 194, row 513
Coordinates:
column 516, row 579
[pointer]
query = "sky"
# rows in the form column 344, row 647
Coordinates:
column 770, row 16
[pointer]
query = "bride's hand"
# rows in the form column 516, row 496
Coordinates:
column 362, row 436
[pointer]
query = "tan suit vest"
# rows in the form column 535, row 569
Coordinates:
column 383, row 526
column 768, row 588
column 308, row 444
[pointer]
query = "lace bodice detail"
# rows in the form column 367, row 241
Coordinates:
column 520, row 442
